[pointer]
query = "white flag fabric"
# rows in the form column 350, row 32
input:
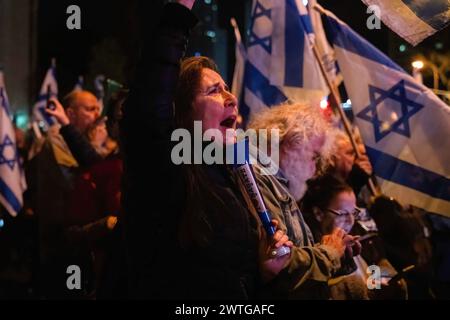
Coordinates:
column 49, row 89
column 280, row 63
column 292, row 60
column 324, row 49
column 413, row 20
column 12, row 180
column 79, row 86
column 100, row 90
column 404, row 125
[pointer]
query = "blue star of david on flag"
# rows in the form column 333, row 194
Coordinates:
column 12, row 179
column 3, row 101
column 10, row 162
column 265, row 42
column 49, row 89
column 412, row 157
column 397, row 94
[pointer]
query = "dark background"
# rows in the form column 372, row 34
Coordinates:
column 111, row 31
column 109, row 40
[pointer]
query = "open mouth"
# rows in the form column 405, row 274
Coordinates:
column 229, row 122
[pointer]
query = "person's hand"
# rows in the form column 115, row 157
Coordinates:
column 364, row 163
column 59, row 113
column 270, row 266
column 352, row 246
column 98, row 135
column 336, row 241
column 187, row 3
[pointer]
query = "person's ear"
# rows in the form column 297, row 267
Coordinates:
column 333, row 161
column 318, row 214
column 70, row 114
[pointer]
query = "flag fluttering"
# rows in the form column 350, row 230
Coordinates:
column 100, row 90
column 49, row 89
column 324, row 49
column 280, row 63
column 79, row 86
column 413, row 20
column 403, row 124
column 12, row 179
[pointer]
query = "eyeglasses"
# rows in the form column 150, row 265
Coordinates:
column 356, row 212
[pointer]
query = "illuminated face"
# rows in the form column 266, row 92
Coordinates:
column 345, row 158
column 342, row 211
column 84, row 111
column 214, row 104
column 299, row 164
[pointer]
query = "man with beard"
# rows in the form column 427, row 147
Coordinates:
column 304, row 139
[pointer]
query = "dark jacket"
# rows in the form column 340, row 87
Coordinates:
column 95, row 197
column 154, row 197
column 51, row 185
column 96, row 188
column 357, row 179
column 79, row 146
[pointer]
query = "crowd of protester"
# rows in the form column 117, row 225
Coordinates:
column 104, row 195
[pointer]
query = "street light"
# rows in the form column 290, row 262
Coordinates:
column 418, row 65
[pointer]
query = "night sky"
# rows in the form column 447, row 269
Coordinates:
column 106, row 43
column 109, row 40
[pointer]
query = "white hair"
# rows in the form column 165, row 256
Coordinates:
column 298, row 125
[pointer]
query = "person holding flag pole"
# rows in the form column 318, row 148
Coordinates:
column 338, row 107
column 402, row 122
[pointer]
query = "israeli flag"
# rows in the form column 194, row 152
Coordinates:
column 280, row 62
column 292, row 61
column 79, row 86
column 413, row 20
column 49, row 89
column 100, row 90
column 12, row 181
column 324, row 49
column 404, row 125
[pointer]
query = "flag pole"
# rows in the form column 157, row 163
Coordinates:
column 337, row 99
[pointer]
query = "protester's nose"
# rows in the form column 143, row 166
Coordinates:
column 230, row 100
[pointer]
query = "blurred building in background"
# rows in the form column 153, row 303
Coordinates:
column 18, row 46
column 208, row 38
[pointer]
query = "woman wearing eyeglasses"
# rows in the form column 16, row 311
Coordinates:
column 330, row 203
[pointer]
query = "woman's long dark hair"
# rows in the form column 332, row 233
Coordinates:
column 195, row 227
column 188, row 85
